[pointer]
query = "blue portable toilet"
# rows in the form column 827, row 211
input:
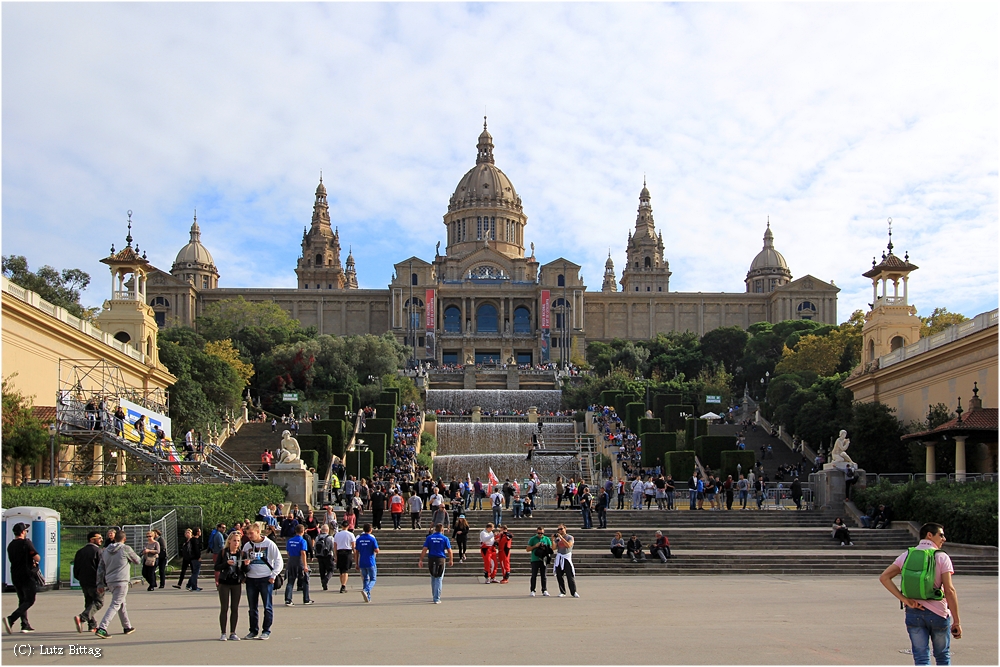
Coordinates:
column 44, row 528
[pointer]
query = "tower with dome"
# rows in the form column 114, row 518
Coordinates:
column 487, row 297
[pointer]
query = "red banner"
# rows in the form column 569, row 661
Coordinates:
column 429, row 311
column 545, row 309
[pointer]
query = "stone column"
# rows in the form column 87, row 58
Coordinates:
column 960, row 457
column 930, row 465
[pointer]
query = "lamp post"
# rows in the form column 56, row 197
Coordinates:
column 52, row 454
column 360, row 446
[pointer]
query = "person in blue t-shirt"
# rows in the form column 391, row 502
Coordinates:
column 298, row 569
column 436, row 547
column 365, row 550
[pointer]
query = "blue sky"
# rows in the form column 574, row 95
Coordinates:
column 828, row 118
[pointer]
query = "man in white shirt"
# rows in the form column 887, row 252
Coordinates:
column 436, row 500
column 637, row 487
column 416, row 504
column 496, row 500
column 487, row 547
column 343, row 541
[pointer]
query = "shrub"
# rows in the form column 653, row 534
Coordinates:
column 386, row 411
column 709, row 449
column 633, row 413
column 337, row 412
column 647, row 425
column 337, row 429
column 732, row 457
column 672, row 420
column 390, row 395
column 609, row 396
column 621, row 401
column 580, row 416
column 376, row 442
column 428, row 443
column 346, row 400
column 655, row 446
column 380, row 425
column 967, row 510
column 359, row 463
column 661, row 401
column 311, row 458
column 430, row 417
column 679, row 464
column 323, row 445
column 425, row 460
column 694, row 428
column 118, row 505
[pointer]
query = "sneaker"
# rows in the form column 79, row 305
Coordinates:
column 309, row 602
column 79, row 623
column 101, row 634
column 545, row 594
column 264, row 636
column 251, row 635
column 493, row 580
column 562, row 595
column 223, row 638
column 128, row 631
column 343, row 589
column 532, row 594
column 234, row 637
column 6, row 625
column 151, row 588
column 486, row 578
column 505, row 581
column 437, row 601
column 196, row 590
column 289, row 603
column 842, row 544
column 27, row 629
column 175, row 586
column 851, row 544
column 365, row 597
column 576, row 595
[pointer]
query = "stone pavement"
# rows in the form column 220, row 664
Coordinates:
column 618, row 620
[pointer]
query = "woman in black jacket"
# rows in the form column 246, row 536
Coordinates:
column 229, row 565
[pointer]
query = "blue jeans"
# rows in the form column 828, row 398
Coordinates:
column 436, row 565
column 587, row 521
column 926, row 627
column 694, row 496
column 497, row 516
column 670, row 499
column 263, row 588
column 368, row 579
column 195, row 571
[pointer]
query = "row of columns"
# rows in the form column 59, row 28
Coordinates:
column 931, row 466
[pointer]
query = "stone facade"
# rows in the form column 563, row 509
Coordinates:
column 488, row 299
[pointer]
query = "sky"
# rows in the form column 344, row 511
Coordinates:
column 824, row 118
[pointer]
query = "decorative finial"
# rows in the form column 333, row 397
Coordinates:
column 959, row 410
column 112, row 248
column 144, row 254
column 768, row 222
column 196, row 215
column 128, row 238
column 890, row 236
column 907, row 256
column 320, row 175
column 975, row 389
column 484, row 120
column 873, row 262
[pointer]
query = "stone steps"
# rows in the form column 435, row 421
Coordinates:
column 252, row 439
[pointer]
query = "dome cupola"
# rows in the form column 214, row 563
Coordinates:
column 768, row 270
column 194, row 262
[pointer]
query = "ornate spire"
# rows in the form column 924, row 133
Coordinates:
column 128, row 238
column 195, row 229
column 768, row 236
column 485, row 146
column 644, row 225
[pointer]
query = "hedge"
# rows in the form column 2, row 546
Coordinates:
column 389, row 395
column 343, row 399
column 672, row 420
column 649, row 425
column 608, row 397
column 661, row 401
column 621, row 401
column 967, row 510
column 709, row 449
column 337, row 412
column 352, row 462
column 679, row 464
column 118, row 505
column 322, row 444
column 337, row 429
column 731, row 457
column 655, row 446
column 380, row 425
column 310, row 457
column 386, row 411
column 633, row 413
column 430, row 417
column 376, row 442
column 694, row 427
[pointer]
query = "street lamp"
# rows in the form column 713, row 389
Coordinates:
column 52, row 454
column 359, row 446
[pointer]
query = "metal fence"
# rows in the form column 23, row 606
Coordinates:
column 872, row 478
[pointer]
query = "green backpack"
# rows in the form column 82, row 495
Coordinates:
column 917, row 581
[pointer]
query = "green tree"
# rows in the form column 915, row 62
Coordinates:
column 25, row 437
column 675, row 353
column 875, row 439
column 58, row 288
column 207, row 385
column 725, row 345
column 939, row 320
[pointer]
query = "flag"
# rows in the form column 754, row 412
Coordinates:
column 493, row 480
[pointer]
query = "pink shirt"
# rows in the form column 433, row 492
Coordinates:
column 939, row 607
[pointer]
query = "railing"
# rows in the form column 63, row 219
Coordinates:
column 872, row 478
column 952, row 333
column 215, row 455
column 123, row 295
column 891, row 301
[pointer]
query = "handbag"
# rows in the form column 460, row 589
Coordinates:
column 37, row 577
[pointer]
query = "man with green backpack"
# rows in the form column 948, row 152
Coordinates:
column 928, row 595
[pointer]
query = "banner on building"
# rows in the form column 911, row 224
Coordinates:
column 545, row 321
column 430, row 319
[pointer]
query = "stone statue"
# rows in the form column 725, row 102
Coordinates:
column 532, row 248
column 839, row 453
column 437, row 249
column 290, row 452
column 469, row 359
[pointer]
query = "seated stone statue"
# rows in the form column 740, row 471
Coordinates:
column 289, row 452
column 839, row 453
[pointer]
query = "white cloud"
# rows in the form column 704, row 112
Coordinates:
column 827, row 118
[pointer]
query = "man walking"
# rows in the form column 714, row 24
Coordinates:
column 113, row 574
column 563, row 566
column 603, row 500
column 540, row 546
column 416, row 505
column 262, row 561
column 497, row 499
column 23, row 558
column 586, row 503
column 365, row 550
column 930, row 600
column 85, row 564
column 325, row 549
column 744, row 488
column 436, row 547
column 349, row 488
column 693, row 489
column 343, row 541
column 298, row 568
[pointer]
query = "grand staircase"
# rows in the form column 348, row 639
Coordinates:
column 252, row 439
column 702, row 543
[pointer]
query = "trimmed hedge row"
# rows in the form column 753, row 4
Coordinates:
column 647, row 425
column 967, row 510
column 359, row 463
column 633, row 413
column 709, row 449
column 118, row 505
column 672, row 420
column 661, row 401
column 344, row 399
column 376, row 442
column 655, row 447
column 609, row 396
column 679, row 464
column 694, row 427
column 322, row 444
column 337, row 429
column 732, row 457
column 310, row 457
column 621, row 400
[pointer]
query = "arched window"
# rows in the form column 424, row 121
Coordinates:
column 648, row 262
column 452, row 319
column 871, row 350
column 319, row 260
column 417, row 303
column 159, row 301
column 522, row 320
column 413, row 279
column 561, row 308
column 149, row 346
column 561, row 280
column 122, row 336
column 806, row 310
column 896, row 343
column 486, row 319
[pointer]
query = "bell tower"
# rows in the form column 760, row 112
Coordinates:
column 319, row 266
column 892, row 322
column 126, row 315
column 610, row 285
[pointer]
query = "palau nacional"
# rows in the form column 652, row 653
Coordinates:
column 486, row 298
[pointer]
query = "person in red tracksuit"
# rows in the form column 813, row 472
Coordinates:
column 503, row 542
column 488, row 548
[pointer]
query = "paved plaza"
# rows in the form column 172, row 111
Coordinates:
column 618, row 620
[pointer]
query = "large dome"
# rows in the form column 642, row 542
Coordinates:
column 484, row 184
column 194, row 252
column 768, row 258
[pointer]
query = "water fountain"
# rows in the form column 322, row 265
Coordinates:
column 456, row 400
column 494, row 438
column 505, row 466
